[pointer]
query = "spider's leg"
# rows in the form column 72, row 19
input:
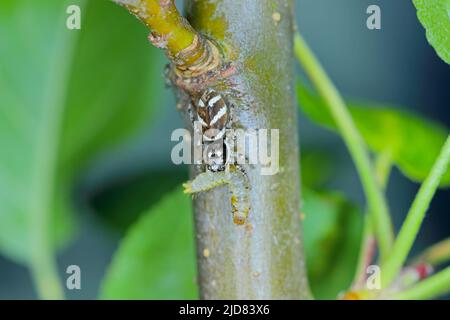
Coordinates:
column 191, row 113
column 205, row 181
column 229, row 148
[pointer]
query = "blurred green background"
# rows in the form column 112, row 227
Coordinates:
column 85, row 124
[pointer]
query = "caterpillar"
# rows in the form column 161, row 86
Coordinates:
column 238, row 185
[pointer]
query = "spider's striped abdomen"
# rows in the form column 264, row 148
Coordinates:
column 213, row 113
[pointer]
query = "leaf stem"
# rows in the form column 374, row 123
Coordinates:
column 437, row 254
column 416, row 214
column 366, row 253
column 376, row 202
column 432, row 287
column 383, row 165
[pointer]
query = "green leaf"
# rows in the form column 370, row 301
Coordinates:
column 156, row 259
column 435, row 17
column 316, row 168
column 412, row 142
column 332, row 230
column 65, row 96
column 116, row 83
column 121, row 202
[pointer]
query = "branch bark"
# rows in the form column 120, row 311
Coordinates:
column 262, row 259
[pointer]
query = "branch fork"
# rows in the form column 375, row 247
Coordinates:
column 192, row 55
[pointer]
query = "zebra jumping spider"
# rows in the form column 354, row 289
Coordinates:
column 212, row 111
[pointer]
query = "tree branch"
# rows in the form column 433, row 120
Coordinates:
column 264, row 258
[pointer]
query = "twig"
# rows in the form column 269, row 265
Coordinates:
column 191, row 53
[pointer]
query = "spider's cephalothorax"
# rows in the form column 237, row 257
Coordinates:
column 216, row 154
column 214, row 114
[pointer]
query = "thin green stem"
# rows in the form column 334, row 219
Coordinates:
column 416, row 214
column 383, row 165
column 432, row 287
column 365, row 253
column 376, row 202
column 437, row 254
